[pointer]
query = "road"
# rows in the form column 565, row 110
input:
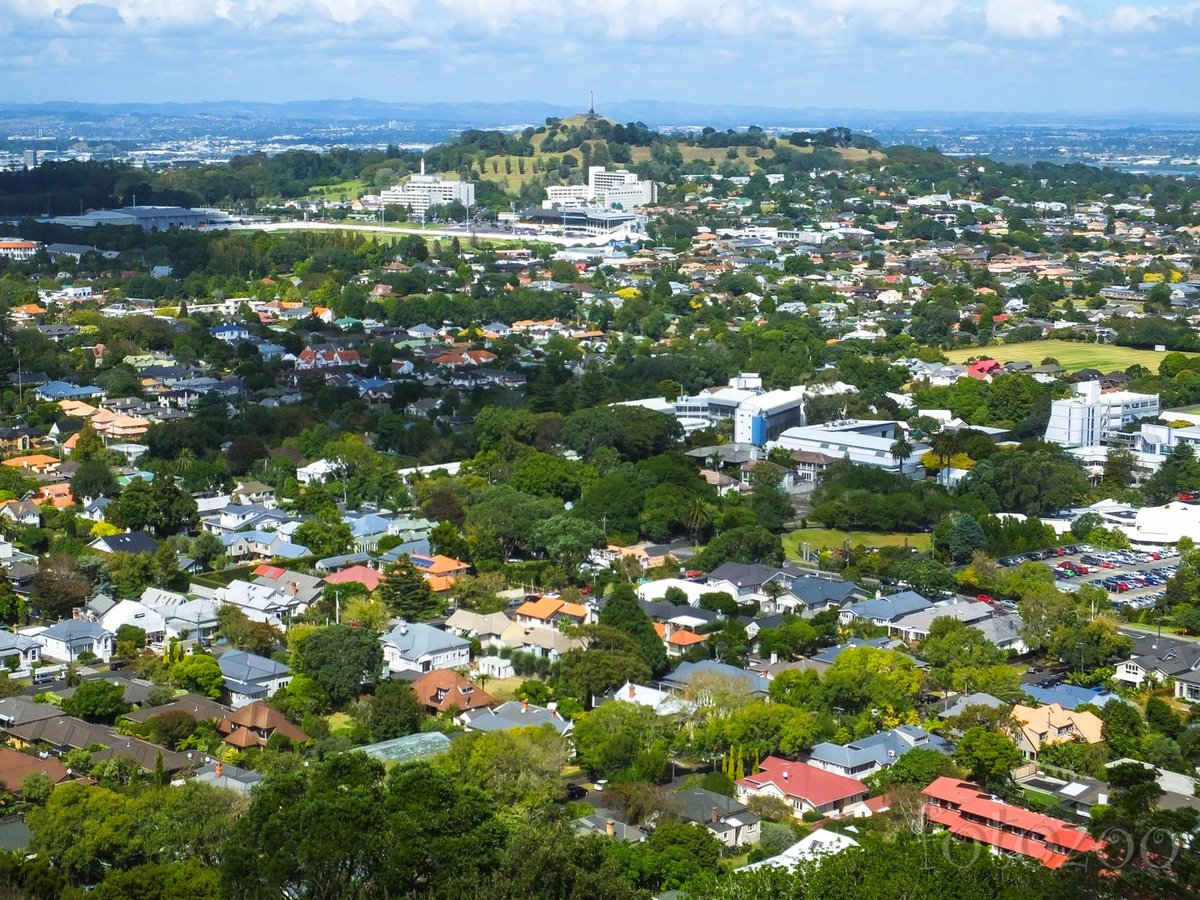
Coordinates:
column 491, row 234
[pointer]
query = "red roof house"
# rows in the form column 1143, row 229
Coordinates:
column 803, row 788
column 971, row 814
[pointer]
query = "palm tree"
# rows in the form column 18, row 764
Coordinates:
column 697, row 519
column 944, row 446
column 900, row 451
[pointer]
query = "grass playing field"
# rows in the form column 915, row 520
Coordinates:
column 828, row 538
column 1070, row 355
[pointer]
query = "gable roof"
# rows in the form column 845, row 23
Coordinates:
column 443, row 689
column 412, row 640
column 803, row 782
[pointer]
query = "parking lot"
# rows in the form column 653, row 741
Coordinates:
column 1132, row 578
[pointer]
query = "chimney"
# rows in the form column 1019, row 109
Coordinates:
column 295, row 588
column 714, row 815
column 610, row 827
column 632, row 692
column 785, row 774
column 524, row 706
column 422, row 165
column 220, row 769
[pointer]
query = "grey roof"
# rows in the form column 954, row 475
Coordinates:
column 232, row 778
column 698, row 804
column 963, row 703
column 68, row 630
column 1166, row 654
column 598, row 824
column 750, row 574
column 882, row 748
column 514, row 714
column 819, row 591
column 830, row 654
column 1068, row 696
column 130, row 542
column 250, row 667
column 20, row 710
column 889, row 609
column 416, row 639
column 683, row 676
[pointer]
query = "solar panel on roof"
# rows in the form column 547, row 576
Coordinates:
column 422, row 563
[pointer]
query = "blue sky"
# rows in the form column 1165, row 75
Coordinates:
column 1012, row 55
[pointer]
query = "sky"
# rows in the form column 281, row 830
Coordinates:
column 1003, row 55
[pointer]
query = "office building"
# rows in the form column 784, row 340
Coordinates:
column 422, row 191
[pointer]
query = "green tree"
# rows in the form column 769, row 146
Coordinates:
column 93, row 479
column 867, row 678
column 417, row 826
column 36, row 787
column 988, row 756
column 325, row 535
column 406, row 593
column 200, row 674
column 746, row 544
column 340, row 659
column 623, row 613
column 96, row 701
column 623, row 740
column 393, row 712
column 159, row 506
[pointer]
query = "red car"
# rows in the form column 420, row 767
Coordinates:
column 1105, row 564
column 694, row 573
column 984, row 598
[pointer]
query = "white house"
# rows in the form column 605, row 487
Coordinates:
column 318, row 472
column 131, row 612
column 416, row 647
column 67, row 639
column 249, row 677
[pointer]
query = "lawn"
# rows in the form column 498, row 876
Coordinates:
column 351, row 189
column 503, row 688
column 829, row 538
column 1071, row 355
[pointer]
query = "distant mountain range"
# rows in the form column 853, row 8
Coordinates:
column 652, row 112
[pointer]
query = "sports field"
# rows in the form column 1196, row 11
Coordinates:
column 1071, row 355
column 829, row 539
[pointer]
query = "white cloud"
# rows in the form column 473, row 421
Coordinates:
column 1028, row 18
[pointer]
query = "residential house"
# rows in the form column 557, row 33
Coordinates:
column 883, row 611
column 819, row 844
column 745, row 580
column 228, row 777
column 260, row 602
column 22, row 711
column 255, row 724
column 609, row 826
column 916, row 625
column 514, row 714
column 1035, row 728
column 1070, row 697
column 254, row 493
column 972, row 814
column 318, row 472
column 68, row 639
column 364, row 575
column 307, row 589
column 131, row 612
column 417, row 647
column 678, row 641
column 729, row 820
column 487, row 628
column 1158, row 657
column 804, row 788
column 443, row 690
column 37, row 463
column 662, row 702
column 21, row 512
column 549, row 611
column 128, row 542
column 540, row 640
column 439, row 571
column 868, row 755
column 27, row 650
column 249, row 677
column 16, row 766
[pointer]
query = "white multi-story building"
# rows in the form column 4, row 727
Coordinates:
column 423, row 191
column 866, row 443
column 1091, row 416
column 611, row 190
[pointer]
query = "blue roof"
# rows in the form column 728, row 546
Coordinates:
column 882, row 748
column 1068, row 696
